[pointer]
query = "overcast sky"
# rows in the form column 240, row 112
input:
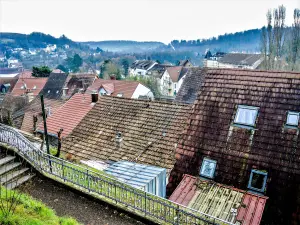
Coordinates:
column 141, row 20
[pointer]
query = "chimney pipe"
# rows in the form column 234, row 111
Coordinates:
column 95, row 97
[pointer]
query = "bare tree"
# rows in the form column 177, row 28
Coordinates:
column 273, row 37
column 295, row 36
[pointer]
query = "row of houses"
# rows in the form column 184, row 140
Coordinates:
column 227, row 146
column 169, row 78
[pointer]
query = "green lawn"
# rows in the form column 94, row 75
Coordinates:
column 27, row 211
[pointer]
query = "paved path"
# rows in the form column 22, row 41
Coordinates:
column 68, row 203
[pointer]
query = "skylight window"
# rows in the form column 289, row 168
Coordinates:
column 208, row 168
column 258, row 180
column 246, row 115
column 120, row 95
column 292, row 119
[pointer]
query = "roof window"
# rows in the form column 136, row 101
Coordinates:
column 292, row 119
column 120, row 95
column 258, row 180
column 208, row 168
column 246, row 115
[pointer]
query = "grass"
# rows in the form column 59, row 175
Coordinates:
column 28, row 211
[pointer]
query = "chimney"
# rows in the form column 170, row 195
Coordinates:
column 65, row 91
column 29, row 96
column 95, row 97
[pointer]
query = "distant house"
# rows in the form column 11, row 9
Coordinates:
column 67, row 116
column 243, row 131
column 120, row 88
column 10, row 72
column 12, row 60
column 226, row 204
column 190, row 86
column 140, row 67
column 123, row 129
column 234, row 60
column 30, row 116
column 185, row 63
column 77, row 83
column 2, row 57
column 50, row 48
column 29, row 87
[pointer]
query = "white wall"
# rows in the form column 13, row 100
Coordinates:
column 142, row 90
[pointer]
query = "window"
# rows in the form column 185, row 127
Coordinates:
column 292, row 119
column 258, row 180
column 208, row 168
column 246, row 115
column 120, row 95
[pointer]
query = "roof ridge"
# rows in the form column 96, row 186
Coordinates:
column 250, row 70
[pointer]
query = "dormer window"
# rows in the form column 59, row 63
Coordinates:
column 292, row 119
column 246, row 115
column 208, row 168
column 258, row 180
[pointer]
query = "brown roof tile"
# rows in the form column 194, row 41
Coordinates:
column 150, row 131
column 271, row 146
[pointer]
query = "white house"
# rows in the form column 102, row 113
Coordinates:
column 50, row 48
column 120, row 88
column 234, row 60
column 141, row 67
column 169, row 78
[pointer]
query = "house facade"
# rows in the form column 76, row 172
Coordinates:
column 234, row 60
column 140, row 67
column 243, row 131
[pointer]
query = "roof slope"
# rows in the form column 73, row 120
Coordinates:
column 69, row 115
column 34, row 108
column 240, row 59
column 150, row 131
column 127, row 88
column 174, row 72
column 77, row 82
column 142, row 64
column 35, row 85
column 191, row 85
column 219, row 200
column 54, row 85
column 210, row 131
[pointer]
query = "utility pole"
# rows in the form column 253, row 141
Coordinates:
column 45, row 124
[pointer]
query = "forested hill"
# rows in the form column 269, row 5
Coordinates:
column 126, row 46
column 33, row 40
column 248, row 41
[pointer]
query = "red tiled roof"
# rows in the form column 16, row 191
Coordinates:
column 35, row 85
column 127, row 88
column 218, row 200
column 270, row 145
column 174, row 72
column 69, row 115
column 26, row 74
column 34, row 108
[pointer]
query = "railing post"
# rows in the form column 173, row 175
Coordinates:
column 88, row 178
column 145, row 203
column 177, row 219
column 63, row 170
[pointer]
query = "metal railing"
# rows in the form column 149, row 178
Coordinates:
column 106, row 188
